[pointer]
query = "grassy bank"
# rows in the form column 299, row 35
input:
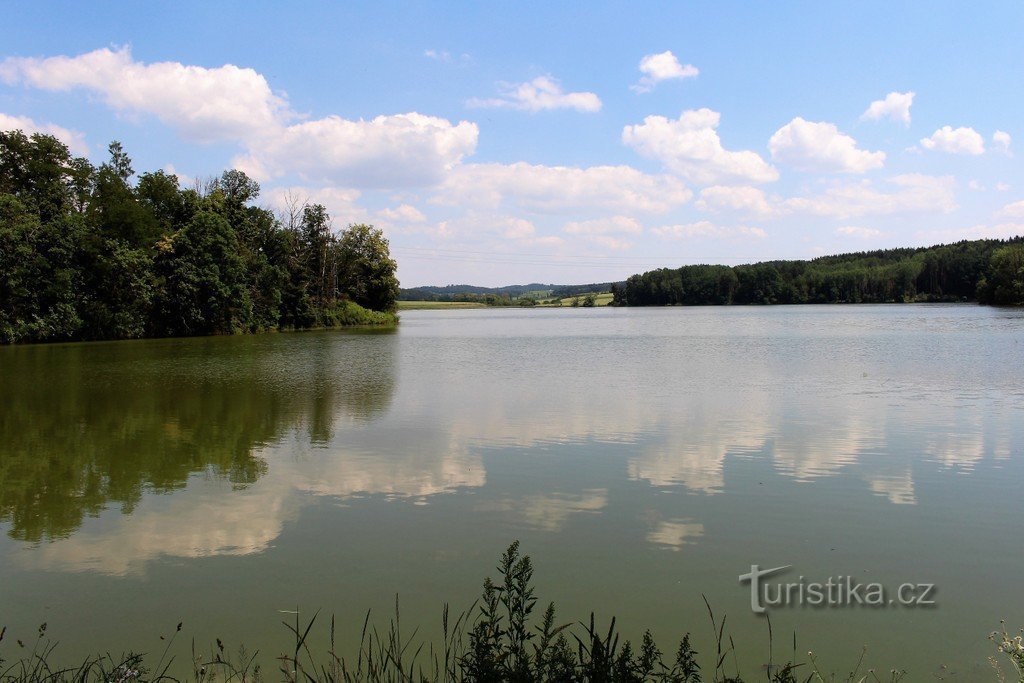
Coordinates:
column 437, row 305
column 501, row 638
column 351, row 314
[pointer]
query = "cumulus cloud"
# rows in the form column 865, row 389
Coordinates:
column 223, row 103
column 707, row 229
column 741, row 199
column 910, row 193
column 819, row 146
column 605, row 226
column 690, row 147
column 233, row 104
column 342, row 203
column 72, row 138
column 961, row 140
column 663, row 66
column 542, row 93
column 1003, row 139
column 561, row 189
column 1014, row 210
column 895, row 106
column 858, row 231
column 403, row 150
column 492, row 230
column 403, row 213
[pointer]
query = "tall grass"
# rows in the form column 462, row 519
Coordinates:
column 500, row 638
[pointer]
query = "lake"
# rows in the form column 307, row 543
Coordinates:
column 643, row 457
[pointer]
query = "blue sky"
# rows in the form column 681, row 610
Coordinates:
column 512, row 142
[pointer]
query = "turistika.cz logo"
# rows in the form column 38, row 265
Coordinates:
column 836, row 591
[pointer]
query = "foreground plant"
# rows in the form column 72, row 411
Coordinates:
column 498, row 639
column 1012, row 647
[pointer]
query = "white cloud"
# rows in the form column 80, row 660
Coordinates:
column 493, row 231
column 542, row 93
column 223, row 103
column 741, row 199
column 403, row 213
column 561, row 189
column 605, row 226
column 690, row 146
column 518, row 228
column 72, row 138
column 895, row 106
column 819, row 146
column 403, row 150
column 341, row 203
column 857, row 231
column 955, row 141
column 1002, row 187
column 1003, row 139
column 447, row 57
column 660, row 67
column 976, row 185
column 707, row 229
column 913, row 193
column 611, row 242
column 1014, row 210
column 230, row 103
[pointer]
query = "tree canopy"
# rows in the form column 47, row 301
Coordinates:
column 92, row 252
column 989, row 271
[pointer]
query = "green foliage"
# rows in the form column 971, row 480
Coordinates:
column 965, row 271
column 204, row 280
column 367, row 270
column 1003, row 284
column 87, row 254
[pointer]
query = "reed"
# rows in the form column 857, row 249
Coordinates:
column 500, row 638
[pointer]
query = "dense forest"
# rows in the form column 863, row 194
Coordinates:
column 988, row 271
column 99, row 253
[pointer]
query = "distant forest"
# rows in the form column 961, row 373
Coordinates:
column 987, row 271
column 472, row 293
column 99, row 253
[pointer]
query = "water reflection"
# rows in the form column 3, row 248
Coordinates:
column 243, row 433
column 89, row 425
column 645, row 456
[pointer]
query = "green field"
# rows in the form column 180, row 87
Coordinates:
column 422, row 305
column 602, row 299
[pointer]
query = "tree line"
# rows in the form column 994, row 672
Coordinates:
column 91, row 252
column 988, row 271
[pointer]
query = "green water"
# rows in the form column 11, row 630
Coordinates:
column 643, row 457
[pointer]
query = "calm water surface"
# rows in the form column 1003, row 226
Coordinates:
column 643, row 457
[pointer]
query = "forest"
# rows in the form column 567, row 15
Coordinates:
column 92, row 252
column 988, row 271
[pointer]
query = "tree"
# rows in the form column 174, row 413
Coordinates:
column 115, row 209
column 1004, row 283
column 204, row 279
column 367, row 271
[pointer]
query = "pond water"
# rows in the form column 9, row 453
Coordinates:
column 643, row 457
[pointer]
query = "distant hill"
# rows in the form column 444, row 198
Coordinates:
column 536, row 290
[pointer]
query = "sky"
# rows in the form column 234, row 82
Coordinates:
column 514, row 142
